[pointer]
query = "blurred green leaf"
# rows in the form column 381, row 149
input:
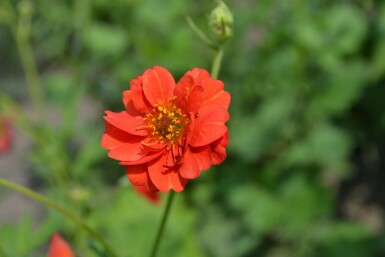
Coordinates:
column 103, row 40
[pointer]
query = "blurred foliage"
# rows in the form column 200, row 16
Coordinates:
column 307, row 125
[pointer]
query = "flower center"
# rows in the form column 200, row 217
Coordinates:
column 166, row 122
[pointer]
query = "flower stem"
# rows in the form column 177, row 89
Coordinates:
column 217, row 62
column 162, row 224
column 42, row 199
column 20, row 26
column 29, row 66
column 200, row 33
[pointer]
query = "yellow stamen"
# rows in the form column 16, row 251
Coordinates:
column 166, row 122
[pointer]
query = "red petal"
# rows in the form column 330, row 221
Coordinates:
column 138, row 99
column 182, row 90
column 145, row 159
column 122, row 146
column 124, row 121
column 6, row 135
column 190, row 167
column 189, row 97
column 158, row 85
column 176, row 181
column 209, row 126
column 128, row 103
column 221, row 98
column 138, row 176
column 114, row 137
column 59, row 247
column 165, row 178
column 128, row 152
column 212, row 88
column 156, row 170
column 194, row 100
column 203, row 156
column 198, row 74
column 218, row 149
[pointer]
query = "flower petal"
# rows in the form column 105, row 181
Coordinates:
column 165, row 178
column 212, row 88
column 194, row 100
column 221, row 98
column 157, row 173
column 138, row 176
column 196, row 159
column 189, row 96
column 176, row 181
column 129, row 104
column 218, row 149
column 138, row 99
column 114, row 137
column 198, row 74
column 6, row 134
column 190, row 167
column 59, row 247
column 203, row 156
column 149, row 157
column 209, row 126
column 122, row 145
column 128, row 152
column 158, row 85
column 182, row 90
column 124, row 121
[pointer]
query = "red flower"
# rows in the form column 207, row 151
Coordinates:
column 6, row 135
column 59, row 247
column 169, row 132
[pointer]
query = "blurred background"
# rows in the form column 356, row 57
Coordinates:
column 305, row 171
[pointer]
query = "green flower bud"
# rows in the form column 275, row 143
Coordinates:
column 221, row 22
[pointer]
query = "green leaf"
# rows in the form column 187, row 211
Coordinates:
column 103, row 40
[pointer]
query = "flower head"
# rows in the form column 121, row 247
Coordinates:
column 59, row 247
column 169, row 132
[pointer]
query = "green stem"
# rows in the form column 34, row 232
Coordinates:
column 42, row 199
column 200, row 33
column 217, row 62
column 20, row 28
column 162, row 224
column 30, row 70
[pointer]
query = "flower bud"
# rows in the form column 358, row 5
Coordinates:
column 221, row 22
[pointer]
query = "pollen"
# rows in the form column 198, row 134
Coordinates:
column 166, row 121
